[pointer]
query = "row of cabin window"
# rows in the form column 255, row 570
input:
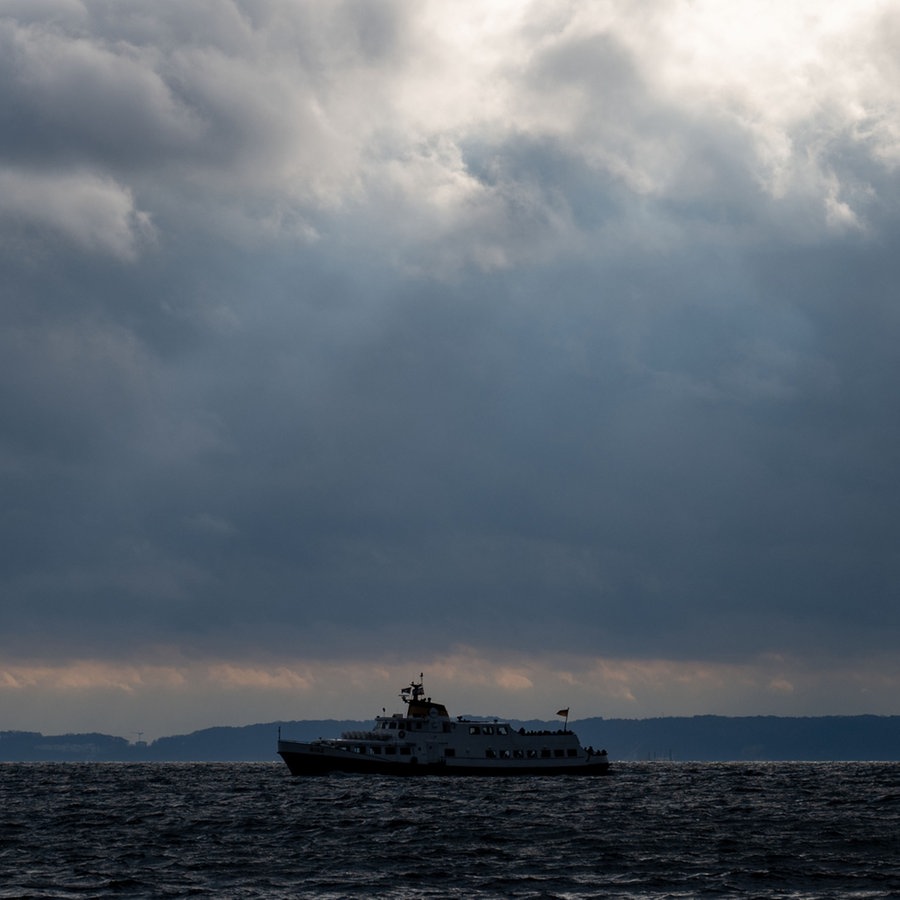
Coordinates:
column 378, row 749
column 392, row 750
column 447, row 727
column 412, row 725
column 489, row 729
column 558, row 753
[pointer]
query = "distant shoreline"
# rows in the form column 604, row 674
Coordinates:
column 697, row 738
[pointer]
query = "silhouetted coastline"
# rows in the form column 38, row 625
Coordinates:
column 696, row 738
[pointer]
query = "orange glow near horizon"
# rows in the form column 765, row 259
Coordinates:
column 165, row 698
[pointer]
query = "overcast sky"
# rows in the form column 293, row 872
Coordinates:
column 550, row 349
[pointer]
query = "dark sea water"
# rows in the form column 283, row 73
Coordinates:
column 817, row 830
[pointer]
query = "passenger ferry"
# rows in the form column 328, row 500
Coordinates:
column 424, row 740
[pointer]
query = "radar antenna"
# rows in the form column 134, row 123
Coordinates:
column 414, row 692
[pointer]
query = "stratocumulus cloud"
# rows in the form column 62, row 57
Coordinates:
column 346, row 337
column 94, row 214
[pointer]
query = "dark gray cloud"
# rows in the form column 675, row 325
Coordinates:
column 294, row 360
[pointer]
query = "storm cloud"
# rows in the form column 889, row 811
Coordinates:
column 539, row 347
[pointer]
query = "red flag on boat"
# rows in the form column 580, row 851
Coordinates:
column 563, row 712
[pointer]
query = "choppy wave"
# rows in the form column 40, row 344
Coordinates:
column 650, row 830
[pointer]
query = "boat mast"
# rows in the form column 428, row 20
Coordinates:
column 415, row 691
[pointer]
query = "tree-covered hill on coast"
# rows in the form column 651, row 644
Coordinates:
column 699, row 738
